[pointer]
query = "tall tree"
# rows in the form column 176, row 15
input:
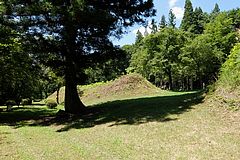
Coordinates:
column 139, row 37
column 158, row 56
column 18, row 71
column 222, row 32
column 216, row 9
column 198, row 21
column 171, row 19
column 167, row 52
column 153, row 27
column 163, row 22
column 202, row 60
column 187, row 17
column 215, row 12
column 74, row 32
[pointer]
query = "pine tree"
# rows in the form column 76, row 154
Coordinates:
column 154, row 27
column 163, row 22
column 139, row 37
column 197, row 26
column 188, row 15
column 216, row 9
column 214, row 12
column 171, row 19
column 74, row 33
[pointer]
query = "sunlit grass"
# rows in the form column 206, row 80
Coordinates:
column 172, row 126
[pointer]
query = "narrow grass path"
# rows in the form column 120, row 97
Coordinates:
column 165, row 127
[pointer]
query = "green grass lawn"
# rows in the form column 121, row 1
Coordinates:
column 170, row 126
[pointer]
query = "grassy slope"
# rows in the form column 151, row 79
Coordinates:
column 169, row 126
column 125, row 87
column 227, row 88
column 143, row 123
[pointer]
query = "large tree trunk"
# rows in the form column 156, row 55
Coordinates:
column 72, row 104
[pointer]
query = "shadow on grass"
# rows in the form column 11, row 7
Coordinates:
column 121, row 112
column 22, row 116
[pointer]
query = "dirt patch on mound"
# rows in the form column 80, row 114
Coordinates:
column 133, row 84
column 226, row 97
column 127, row 86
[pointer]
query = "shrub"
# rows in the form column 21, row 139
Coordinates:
column 26, row 101
column 51, row 103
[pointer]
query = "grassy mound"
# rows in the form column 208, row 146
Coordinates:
column 227, row 89
column 127, row 86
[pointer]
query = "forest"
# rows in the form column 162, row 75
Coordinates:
column 188, row 57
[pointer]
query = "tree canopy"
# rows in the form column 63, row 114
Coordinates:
column 71, row 33
column 188, row 57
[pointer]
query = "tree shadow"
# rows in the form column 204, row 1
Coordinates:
column 120, row 112
column 21, row 116
column 136, row 111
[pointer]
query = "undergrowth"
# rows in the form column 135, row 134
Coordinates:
column 227, row 89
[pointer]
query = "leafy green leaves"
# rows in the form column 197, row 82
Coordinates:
column 186, row 58
column 230, row 72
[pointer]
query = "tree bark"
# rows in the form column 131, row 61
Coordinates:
column 170, row 82
column 72, row 104
column 191, row 83
column 57, row 97
column 170, row 79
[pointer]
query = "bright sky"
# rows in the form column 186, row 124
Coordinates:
column 163, row 7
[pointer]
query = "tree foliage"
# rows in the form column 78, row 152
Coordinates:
column 139, row 37
column 215, row 11
column 19, row 72
column 153, row 26
column 171, row 19
column 187, row 20
column 190, row 57
column 230, row 72
column 73, row 33
column 163, row 22
column 198, row 21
